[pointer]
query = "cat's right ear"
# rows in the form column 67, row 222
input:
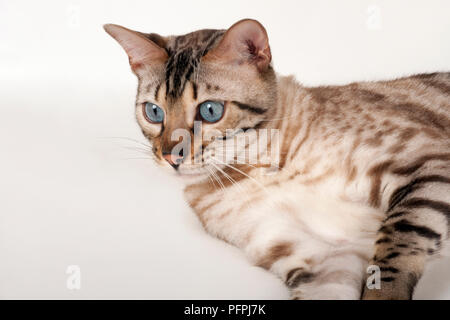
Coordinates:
column 141, row 51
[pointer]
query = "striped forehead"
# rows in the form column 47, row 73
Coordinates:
column 185, row 53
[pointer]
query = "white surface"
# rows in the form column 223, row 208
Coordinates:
column 72, row 195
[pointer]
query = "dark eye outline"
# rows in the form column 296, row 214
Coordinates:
column 145, row 112
column 199, row 117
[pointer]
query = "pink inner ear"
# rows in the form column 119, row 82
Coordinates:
column 245, row 41
column 259, row 53
column 140, row 50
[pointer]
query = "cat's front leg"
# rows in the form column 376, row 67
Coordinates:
column 338, row 277
column 317, row 272
column 415, row 229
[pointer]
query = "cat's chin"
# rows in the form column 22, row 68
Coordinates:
column 192, row 174
column 191, row 179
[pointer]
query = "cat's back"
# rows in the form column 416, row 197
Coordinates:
column 421, row 100
column 429, row 91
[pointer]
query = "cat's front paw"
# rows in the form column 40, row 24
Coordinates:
column 330, row 291
column 387, row 293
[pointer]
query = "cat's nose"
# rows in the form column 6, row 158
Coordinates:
column 173, row 159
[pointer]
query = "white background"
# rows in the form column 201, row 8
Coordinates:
column 74, row 192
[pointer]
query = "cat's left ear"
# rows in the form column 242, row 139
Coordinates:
column 244, row 42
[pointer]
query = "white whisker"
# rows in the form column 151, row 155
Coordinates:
column 243, row 173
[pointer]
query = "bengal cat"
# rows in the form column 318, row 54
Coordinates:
column 362, row 175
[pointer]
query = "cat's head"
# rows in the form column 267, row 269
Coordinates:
column 197, row 90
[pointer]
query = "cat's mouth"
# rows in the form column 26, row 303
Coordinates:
column 194, row 171
column 192, row 174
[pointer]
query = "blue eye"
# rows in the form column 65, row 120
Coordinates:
column 154, row 113
column 211, row 111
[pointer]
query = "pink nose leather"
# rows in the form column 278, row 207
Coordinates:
column 172, row 159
